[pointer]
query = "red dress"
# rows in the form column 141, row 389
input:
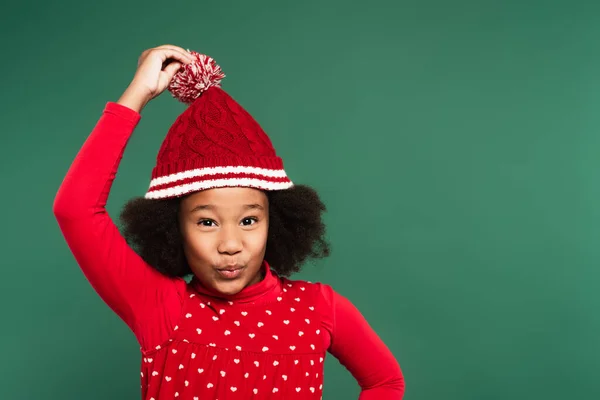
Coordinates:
column 267, row 342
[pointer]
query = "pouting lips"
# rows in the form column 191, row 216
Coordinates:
column 230, row 272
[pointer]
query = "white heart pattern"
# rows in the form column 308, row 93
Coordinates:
column 168, row 378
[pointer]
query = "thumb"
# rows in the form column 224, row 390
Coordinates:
column 172, row 69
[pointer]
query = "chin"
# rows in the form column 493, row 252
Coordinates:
column 229, row 288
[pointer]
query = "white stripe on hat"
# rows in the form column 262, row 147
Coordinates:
column 274, row 173
column 216, row 183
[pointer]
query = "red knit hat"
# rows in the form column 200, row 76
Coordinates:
column 214, row 142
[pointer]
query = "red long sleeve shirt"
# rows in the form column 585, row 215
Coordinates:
column 267, row 342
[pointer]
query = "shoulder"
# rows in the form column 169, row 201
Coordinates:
column 321, row 295
column 303, row 286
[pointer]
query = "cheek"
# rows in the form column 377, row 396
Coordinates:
column 198, row 248
column 257, row 241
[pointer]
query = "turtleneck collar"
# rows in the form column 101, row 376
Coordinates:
column 250, row 293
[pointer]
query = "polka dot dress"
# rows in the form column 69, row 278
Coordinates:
column 260, row 347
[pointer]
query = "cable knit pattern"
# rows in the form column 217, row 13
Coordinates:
column 215, row 131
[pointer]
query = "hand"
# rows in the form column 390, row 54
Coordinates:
column 156, row 68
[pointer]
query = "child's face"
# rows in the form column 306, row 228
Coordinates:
column 225, row 236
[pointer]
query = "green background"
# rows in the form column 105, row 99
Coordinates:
column 455, row 144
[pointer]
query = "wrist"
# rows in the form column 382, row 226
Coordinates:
column 134, row 98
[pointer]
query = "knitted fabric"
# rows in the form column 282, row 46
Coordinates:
column 215, row 143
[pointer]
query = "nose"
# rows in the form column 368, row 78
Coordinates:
column 230, row 241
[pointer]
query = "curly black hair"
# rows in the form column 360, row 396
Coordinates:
column 296, row 231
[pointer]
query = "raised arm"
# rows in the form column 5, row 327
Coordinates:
column 148, row 302
column 358, row 348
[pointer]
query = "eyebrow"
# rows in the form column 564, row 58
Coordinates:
column 210, row 207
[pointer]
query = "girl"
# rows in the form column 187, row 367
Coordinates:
column 221, row 209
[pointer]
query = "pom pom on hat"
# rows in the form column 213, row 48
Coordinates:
column 215, row 142
column 195, row 78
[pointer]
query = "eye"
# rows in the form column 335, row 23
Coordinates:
column 249, row 221
column 206, row 222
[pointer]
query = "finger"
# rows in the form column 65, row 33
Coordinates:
column 172, row 69
column 177, row 48
column 176, row 55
